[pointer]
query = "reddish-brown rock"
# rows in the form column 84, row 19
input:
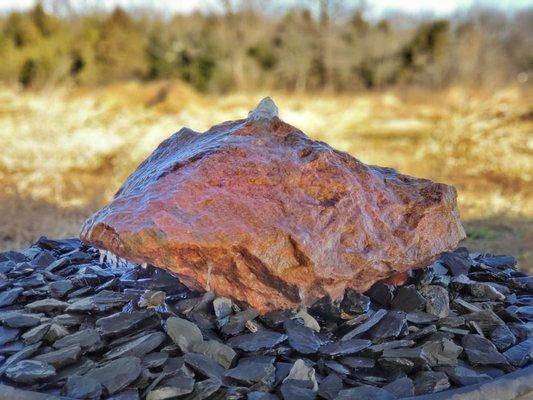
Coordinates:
column 255, row 210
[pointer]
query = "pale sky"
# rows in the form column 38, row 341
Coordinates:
column 375, row 8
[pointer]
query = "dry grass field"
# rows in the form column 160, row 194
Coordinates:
column 65, row 152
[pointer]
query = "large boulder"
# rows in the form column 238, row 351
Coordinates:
column 255, row 210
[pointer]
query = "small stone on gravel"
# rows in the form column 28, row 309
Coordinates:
column 117, row 374
column 365, row 326
column 121, row 322
column 481, row 352
column 421, row 317
column 8, row 335
column 344, row 347
column 237, row 322
column 261, row 396
column 381, row 294
column 36, row 334
column 8, row 297
column 102, row 301
column 427, row 382
column 520, row 354
column 464, row 376
column 18, row 319
column 485, row 291
column 171, row 388
column 82, row 387
column 301, row 338
column 390, row 327
column 138, row 347
column 223, row 307
column 204, row 365
column 219, row 352
column 408, row 299
column 261, row 340
column 47, row 306
column 354, row 302
column 401, row 387
column 437, row 300
column 154, row 360
column 204, row 389
column 183, row 332
column 60, row 358
column 60, row 289
column 252, row 372
column 30, row 371
column 502, row 337
column 330, row 387
column 365, row 392
column 297, row 390
column 88, row 339
column 456, row 263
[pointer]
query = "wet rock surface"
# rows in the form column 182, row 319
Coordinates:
column 256, row 211
column 147, row 336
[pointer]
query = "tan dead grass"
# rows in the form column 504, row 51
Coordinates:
column 65, row 152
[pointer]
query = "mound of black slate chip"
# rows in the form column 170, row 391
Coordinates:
column 76, row 326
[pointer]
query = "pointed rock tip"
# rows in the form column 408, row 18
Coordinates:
column 265, row 110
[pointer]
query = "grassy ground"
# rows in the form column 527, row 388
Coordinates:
column 65, row 152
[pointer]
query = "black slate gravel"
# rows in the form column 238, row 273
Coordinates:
column 74, row 325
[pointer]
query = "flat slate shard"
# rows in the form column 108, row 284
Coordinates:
column 29, row 371
column 355, row 303
column 366, row 392
column 219, row 352
column 82, row 387
column 117, row 374
column 121, row 322
column 408, row 299
column 88, row 339
column 365, row 326
column 60, row 358
column 8, row 335
column 456, row 262
column 389, row 327
column 427, row 382
column 17, row 319
column 204, row 365
column 257, row 341
column 103, row 301
column 138, row 347
column 8, row 297
column 481, row 352
column 256, row 211
column 520, row 354
column 381, row 293
column 171, row 388
column 330, row 386
column 297, row 390
column 47, row 305
column 464, row 376
column 253, row 372
column 420, row 317
column 502, row 337
column 204, row 389
column 344, row 347
column 301, row 338
column 184, row 333
column 437, row 301
column 401, row 387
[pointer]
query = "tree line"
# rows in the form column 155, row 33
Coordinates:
column 245, row 48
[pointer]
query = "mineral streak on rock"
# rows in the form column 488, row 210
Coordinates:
column 255, row 210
